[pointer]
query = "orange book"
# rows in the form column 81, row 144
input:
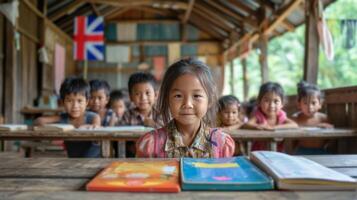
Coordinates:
column 138, row 176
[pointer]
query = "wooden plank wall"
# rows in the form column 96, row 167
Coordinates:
column 53, row 36
column 341, row 106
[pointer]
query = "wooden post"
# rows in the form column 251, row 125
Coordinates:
column 311, row 58
column 263, row 46
column 245, row 79
column 231, row 81
column 10, row 75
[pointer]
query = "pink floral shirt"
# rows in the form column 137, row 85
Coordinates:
column 167, row 142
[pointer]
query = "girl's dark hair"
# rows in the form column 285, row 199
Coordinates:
column 271, row 87
column 141, row 77
column 227, row 100
column 203, row 74
column 97, row 84
column 74, row 85
column 305, row 89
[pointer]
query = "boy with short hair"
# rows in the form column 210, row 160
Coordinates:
column 99, row 98
column 142, row 93
column 74, row 93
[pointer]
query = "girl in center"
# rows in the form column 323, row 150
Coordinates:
column 187, row 101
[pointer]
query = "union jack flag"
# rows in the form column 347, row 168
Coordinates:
column 88, row 38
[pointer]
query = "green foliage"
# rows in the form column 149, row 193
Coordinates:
column 286, row 57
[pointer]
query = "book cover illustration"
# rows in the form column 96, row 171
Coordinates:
column 138, row 176
column 236, row 173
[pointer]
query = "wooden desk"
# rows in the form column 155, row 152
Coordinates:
column 280, row 135
column 94, row 135
column 65, row 178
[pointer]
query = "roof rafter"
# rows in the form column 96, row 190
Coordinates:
column 68, row 9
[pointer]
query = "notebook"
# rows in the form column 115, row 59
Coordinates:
column 236, row 173
column 54, row 127
column 13, row 127
column 138, row 176
column 298, row 173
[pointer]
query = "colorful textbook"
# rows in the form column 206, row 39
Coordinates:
column 236, row 173
column 298, row 173
column 138, row 176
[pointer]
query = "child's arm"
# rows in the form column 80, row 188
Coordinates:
column 325, row 122
column 113, row 119
column 287, row 124
column 96, row 123
column 46, row 120
column 233, row 127
column 252, row 124
column 149, row 122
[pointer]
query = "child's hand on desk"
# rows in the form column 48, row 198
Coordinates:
column 113, row 119
column 265, row 127
column 325, row 125
column 88, row 126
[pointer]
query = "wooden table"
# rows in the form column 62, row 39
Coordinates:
column 65, row 178
column 105, row 136
column 279, row 135
column 131, row 135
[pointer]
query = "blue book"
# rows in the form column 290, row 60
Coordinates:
column 236, row 173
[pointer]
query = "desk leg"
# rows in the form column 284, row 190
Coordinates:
column 121, row 149
column 274, row 144
column 249, row 147
column 106, row 148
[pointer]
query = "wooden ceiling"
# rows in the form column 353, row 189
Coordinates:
column 227, row 21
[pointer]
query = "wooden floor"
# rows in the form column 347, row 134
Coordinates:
column 64, row 178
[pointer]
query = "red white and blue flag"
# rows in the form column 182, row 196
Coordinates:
column 88, row 38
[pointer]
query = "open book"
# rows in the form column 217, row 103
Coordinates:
column 13, row 127
column 236, row 173
column 138, row 176
column 54, row 127
column 117, row 129
column 298, row 173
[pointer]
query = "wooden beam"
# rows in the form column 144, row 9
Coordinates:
column 188, row 11
column 205, row 27
column 163, row 42
column 211, row 24
column 288, row 26
column 33, row 8
column 253, row 37
column 95, row 10
column 116, row 12
column 231, row 81
column 177, row 5
column 241, row 6
column 154, row 10
column 72, row 6
column 284, row 13
column 184, row 20
column 212, row 15
column 245, row 79
column 234, row 16
column 311, row 57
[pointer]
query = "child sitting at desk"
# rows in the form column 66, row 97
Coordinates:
column 269, row 114
column 187, row 101
column 119, row 104
column 230, row 117
column 74, row 93
column 310, row 100
column 142, row 93
column 99, row 98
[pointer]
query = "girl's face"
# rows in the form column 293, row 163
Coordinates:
column 271, row 104
column 309, row 105
column 75, row 104
column 230, row 115
column 98, row 100
column 188, row 101
column 118, row 107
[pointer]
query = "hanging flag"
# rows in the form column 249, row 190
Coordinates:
column 88, row 38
